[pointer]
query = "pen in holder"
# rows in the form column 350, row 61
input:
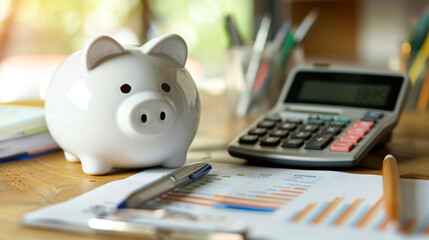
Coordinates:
column 255, row 76
column 269, row 79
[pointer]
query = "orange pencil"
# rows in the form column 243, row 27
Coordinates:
column 392, row 191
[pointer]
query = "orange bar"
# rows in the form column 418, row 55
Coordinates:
column 290, row 191
column 331, row 206
column 426, row 231
column 300, row 188
column 249, row 199
column 374, row 214
column 276, row 198
column 304, row 212
column 246, row 205
column 383, row 225
column 216, row 200
column 183, row 201
column 222, row 201
column 285, row 195
column 409, row 226
column 346, row 214
column 366, row 217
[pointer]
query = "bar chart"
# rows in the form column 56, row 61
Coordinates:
column 334, row 213
column 252, row 192
column 319, row 199
column 357, row 214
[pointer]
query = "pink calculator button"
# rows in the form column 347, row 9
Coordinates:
column 340, row 146
column 351, row 138
column 358, row 131
column 364, row 124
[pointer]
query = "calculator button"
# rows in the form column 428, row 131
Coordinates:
column 373, row 115
column 319, row 141
column 308, row 128
column 368, row 120
column 313, row 117
column 279, row 133
column 266, row 124
column 248, row 139
column 273, row 118
column 292, row 143
column 351, row 138
column 258, row 131
column 327, row 118
column 300, row 135
column 287, row 126
column 316, row 122
column 296, row 121
column 343, row 119
column 367, row 124
column 270, row 141
column 331, row 130
column 340, row 146
column 337, row 124
column 358, row 131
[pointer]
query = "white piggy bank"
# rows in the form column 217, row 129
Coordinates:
column 124, row 106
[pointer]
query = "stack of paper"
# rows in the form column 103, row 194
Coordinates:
column 23, row 132
column 275, row 203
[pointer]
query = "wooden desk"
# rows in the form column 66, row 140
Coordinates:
column 31, row 184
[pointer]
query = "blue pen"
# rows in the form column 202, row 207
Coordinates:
column 166, row 183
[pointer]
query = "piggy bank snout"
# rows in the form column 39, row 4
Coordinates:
column 146, row 113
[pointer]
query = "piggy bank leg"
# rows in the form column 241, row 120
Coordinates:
column 176, row 161
column 70, row 157
column 94, row 166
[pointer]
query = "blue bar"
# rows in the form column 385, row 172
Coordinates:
column 255, row 209
column 424, row 224
column 338, row 213
column 321, row 208
column 360, row 215
column 379, row 222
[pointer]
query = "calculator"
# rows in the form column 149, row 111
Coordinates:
column 326, row 116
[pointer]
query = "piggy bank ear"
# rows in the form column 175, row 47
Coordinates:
column 171, row 45
column 99, row 49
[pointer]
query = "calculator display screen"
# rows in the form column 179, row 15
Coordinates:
column 345, row 89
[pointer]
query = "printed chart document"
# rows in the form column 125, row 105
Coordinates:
column 275, row 203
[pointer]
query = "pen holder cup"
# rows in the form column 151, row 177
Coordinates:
column 266, row 81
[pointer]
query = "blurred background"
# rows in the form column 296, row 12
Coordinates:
column 35, row 35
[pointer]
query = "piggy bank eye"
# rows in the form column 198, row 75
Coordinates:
column 125, row 88
column 165, row 87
